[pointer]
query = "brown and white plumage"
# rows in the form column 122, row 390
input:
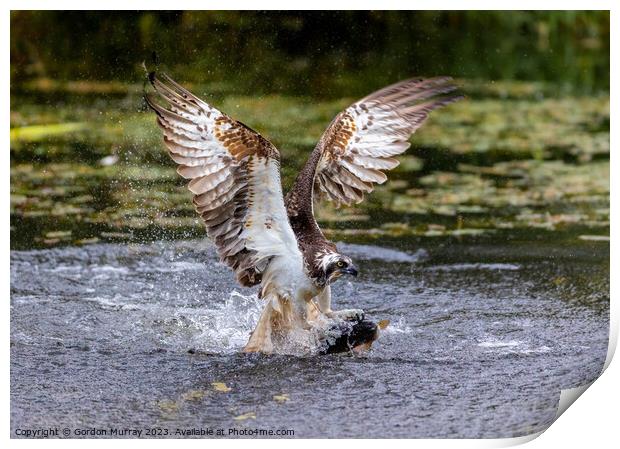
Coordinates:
column 363, row 140
column 234, row 175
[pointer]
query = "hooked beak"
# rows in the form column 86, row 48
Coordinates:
column 352, row 270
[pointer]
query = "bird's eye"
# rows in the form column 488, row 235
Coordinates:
column 340, row 264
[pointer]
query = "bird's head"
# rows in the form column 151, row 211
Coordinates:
column 334, row 265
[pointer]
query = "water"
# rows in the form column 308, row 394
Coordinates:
column 487, row 250
column 483, row 335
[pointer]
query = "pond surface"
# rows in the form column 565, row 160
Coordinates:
column 488, row 250
column 90, row 167
column 484, row 333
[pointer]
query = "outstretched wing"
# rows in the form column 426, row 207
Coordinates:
column 361, row 142
column 234, row 175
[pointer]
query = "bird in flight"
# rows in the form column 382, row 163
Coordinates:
column 272, row 240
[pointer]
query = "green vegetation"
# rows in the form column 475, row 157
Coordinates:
column 88, row 163
column 481, row 165
column 328, row 54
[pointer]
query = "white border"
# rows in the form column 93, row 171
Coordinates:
column 593, row 421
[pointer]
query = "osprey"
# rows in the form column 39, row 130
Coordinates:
column 271, row 240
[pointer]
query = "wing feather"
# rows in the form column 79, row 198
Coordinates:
column 234, row 174
column 361, row 142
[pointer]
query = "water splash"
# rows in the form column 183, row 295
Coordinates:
column 225, row 328
column 221, row 328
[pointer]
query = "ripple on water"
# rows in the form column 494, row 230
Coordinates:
column 475, row 347
column 475, row 266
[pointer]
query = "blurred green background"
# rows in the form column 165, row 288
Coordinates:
column 528, row 149
column 322, row 54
